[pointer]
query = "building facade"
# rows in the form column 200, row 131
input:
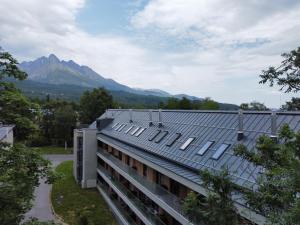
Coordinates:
column 145, row 162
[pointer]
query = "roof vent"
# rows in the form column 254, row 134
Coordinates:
column 150, row 118
column 130, row 116
column 160, row 118
column 240, row 133
column 273, row 126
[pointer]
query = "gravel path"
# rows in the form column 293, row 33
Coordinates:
column 41, row 207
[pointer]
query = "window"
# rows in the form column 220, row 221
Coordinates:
column 220, row 151
column 151, row 138
column 161, row 136
column 174, row 138
column 128, row 129
column 122, row 127
column 135, row 130
column 205, row 147
column 140, row 132
column 187, row 143
column 116, row 124
column 117, row 127
column 145, row 168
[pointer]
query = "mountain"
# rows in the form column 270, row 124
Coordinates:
column 52, row 70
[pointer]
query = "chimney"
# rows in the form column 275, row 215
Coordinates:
column 273, row 126
column 130, row 116
column 240, row 133
column 160, row 118
column 150, row 118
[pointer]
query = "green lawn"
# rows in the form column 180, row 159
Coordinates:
column 53, row 150
column 78, row 206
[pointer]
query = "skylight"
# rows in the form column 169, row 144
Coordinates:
column 140, row 132
column 220, row 151
column 135, row 130
column 187, row 143
column 161, row 136
column 116, row 124
column 151, row 138
column 128, row 129
column 117, row 127
column 174, row 138
column 122, row 127
column 205, row 147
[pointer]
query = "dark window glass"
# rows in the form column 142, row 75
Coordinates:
column 151, row 138
column 161, row 136
column 220, row 151
column 205, row 147
column 174, row 138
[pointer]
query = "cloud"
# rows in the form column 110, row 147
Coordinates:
column 229, row 43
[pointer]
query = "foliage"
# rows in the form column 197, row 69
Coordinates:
column 20, row 170
column 35, row 221
column 277, row 194
column 74, row 204
column 52, row 150
column 293, row 105
column 287, row 75
column 218, row 207
column 93, row 104
column 184, row 103
column 253, row 106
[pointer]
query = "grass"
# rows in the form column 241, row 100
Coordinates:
column 78, row 206
column 53, row 150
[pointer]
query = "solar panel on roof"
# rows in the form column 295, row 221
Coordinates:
column 174, row 138
column 222, row 148
column 115, row 125
column 161, row 136
column 128, row 129
column 187, row 143
column 151, row 138
column 140, row 132
column 205, row 147
column 135, row 130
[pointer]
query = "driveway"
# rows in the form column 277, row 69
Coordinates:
column 41, row 207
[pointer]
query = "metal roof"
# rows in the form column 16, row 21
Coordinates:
column 4, row 130
column 218, row 126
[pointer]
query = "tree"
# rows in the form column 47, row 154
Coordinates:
column 218, row 207
column 35, row 221
column 20, row 170
column 206, row 104
column 93, row 104
column 253, row 106
column 277, row 194
column 15, row 108
column 185, row 103
column 287, row 75
column 293, row 105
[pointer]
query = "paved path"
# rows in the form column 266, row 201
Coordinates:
column 41, row 207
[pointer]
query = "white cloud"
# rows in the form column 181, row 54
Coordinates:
column 221, row 65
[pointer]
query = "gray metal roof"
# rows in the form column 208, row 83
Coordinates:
column 4, row 130
column 218, row 126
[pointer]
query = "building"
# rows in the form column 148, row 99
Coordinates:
column 144, row 162
column 7, row 133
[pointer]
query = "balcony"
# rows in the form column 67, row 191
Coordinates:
column 144, row 210
column 117, row 204
column 168, row 201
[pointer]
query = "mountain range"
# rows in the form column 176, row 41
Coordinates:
column 52, row 70
column 68, row 80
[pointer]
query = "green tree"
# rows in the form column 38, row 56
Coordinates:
column 253, row 106
column 185, row 103
column 172, row 103
column 218, row 207
column 287, row 75
column 20, row 170
column 93, row 104
column 15, row 108
column 277, row 195
column 206, row 104
column 293, row 105
column 35, row 221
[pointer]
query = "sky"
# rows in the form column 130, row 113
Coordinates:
column 205, row 48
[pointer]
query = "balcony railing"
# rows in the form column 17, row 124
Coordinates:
column 170, row 199
column 145, row 210
column 117, row 204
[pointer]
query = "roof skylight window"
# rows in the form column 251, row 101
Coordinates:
column 161, row 136
column 122, row 127
column 126, row 132
column 140, row 132
column 116, row 124
column 187, row 143
column 135, row 130
column 174, row 138
column 220, row 151
column 205, row 147
column 117, row 127
column 151, row 138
